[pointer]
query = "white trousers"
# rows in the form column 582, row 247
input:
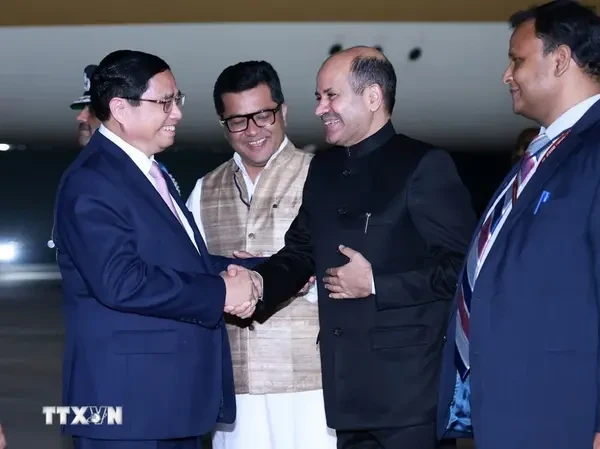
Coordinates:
column 277, row 421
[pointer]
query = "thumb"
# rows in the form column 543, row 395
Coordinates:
column 232, row 270
column 347, row 251
column 242, row 255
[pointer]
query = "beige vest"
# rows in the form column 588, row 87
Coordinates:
column 281, row 354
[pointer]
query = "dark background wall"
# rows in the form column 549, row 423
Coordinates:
column 28, row 182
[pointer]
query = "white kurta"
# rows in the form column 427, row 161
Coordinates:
column 271, row 421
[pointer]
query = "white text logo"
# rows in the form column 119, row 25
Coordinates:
column 85, row 415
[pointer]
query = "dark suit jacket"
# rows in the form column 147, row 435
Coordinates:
column 143, row 310
column 379, row 355
column 535, row 310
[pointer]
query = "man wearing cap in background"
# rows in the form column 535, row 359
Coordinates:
column 86, row 119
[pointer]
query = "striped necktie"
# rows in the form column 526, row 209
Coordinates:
column 467, row 283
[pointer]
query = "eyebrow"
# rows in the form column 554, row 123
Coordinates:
column 169, row 96
column 326, row 91
column 268, row 108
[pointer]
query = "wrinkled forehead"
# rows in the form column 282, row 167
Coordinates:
column 332, row 76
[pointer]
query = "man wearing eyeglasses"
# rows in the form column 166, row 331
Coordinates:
column 247, row 204
column 144, row 299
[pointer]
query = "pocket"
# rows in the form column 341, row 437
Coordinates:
column 145, row 342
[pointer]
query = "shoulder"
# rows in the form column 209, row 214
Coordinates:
column 88, row 180
column 301, row 154
column 216, row 174
column 328, row 156
column 416, row 156
column 86, row 172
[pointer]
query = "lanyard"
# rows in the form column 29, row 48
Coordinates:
column 555, row 143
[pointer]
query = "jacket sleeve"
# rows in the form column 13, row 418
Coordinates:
column 220, row 263
column 94, row 230
column 286, row 272
column 440, row 207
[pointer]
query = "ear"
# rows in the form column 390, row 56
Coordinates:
column 562, row 59
column 374, row 97
column 118, row 109
column 284, row 113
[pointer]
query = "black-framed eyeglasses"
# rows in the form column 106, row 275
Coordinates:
column 167, row 104
column 262, row 118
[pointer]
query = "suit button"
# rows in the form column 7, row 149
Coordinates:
column 251, row 327
column 341, row 211
column 337, row 332
column 346, row 172
column 251, row 235
column 445, row 338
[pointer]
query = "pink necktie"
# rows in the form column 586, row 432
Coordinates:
column 161, row 186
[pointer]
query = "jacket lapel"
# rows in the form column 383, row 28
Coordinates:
column 547, row 169
column 542, row 175
column 133, row 176
column 190, row 218
column 534, row 187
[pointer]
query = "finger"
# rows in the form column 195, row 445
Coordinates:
column 331, row 280
column 248, row 312
column 242, row 255
column 339, row 295
column 335, row 288
column 239, row 309
column 233, row 269
column 245, row 310
column 332, row 271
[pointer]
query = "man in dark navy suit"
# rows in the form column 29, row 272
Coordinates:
column 144, row 300
column 521, row 360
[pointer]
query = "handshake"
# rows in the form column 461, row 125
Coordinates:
column 243, row 290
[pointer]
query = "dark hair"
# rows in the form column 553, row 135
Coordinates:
column 566, row 22
column 367, row 70
column 124, row 74
column 245, row 76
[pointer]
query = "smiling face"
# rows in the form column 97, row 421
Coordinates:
column 530, row 75
column 150, row 127
column 264, row 133
column 346, row 115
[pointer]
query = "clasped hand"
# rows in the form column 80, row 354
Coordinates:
column 243, row 291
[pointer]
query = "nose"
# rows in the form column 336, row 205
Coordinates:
column 322, row 107
column 507, row 75
column 83, row 116
column 252, row 129
column 176, row 113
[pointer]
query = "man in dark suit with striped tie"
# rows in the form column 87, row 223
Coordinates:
column 521, row 361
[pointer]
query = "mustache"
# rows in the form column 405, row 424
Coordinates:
column 84, row 127
column 330, row 116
